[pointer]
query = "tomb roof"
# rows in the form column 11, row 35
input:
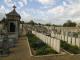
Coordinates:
column 13, row 12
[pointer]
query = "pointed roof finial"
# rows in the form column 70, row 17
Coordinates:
column 14, row 6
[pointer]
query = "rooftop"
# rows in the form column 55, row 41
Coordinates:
column 13, row 12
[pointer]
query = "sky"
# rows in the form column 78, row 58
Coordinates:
column 43, row 11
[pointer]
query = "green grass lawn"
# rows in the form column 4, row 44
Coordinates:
column 70, row 48
column 38, row 47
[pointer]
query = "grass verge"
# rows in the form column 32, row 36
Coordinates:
column 38, row 47
column 70, row 48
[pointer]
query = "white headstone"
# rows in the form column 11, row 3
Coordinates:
column 58, row 36
column 73, row 41
column 52, row 42
column 78, row 42
column 52, row 35
column 48, row 40
column 69, row 40
column 58, row 46
column 63, row 37
column 66, row 38
column 54, row 46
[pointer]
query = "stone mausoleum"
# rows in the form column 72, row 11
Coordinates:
column 10, row 29
column 13, row 23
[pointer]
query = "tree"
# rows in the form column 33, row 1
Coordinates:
column 32, row 22
column 48, row 24
column 56, row 25
column 69, row 23
column 39, row 24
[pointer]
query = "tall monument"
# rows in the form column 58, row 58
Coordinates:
column 13, row 22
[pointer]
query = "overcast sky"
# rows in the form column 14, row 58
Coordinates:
column 43, row 11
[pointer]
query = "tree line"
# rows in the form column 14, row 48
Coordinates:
column 68, row 23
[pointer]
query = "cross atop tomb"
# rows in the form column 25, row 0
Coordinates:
column 14, row 7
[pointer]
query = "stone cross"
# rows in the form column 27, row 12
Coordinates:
column 14, row 6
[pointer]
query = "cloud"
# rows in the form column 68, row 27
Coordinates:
column 53, row 11
column 2, row 12
column 25, row 16
column 8, row 1
column 45, row 1
column 20, row 3
column 2, row 8
column 64, row 3
column 64, row 12
column 56, row 10
column 24, row 1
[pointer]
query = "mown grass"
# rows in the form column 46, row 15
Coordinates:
column 38, row 46
column 70, row 48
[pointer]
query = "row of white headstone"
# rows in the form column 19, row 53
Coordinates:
column 52, row 42
column 70, row 40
